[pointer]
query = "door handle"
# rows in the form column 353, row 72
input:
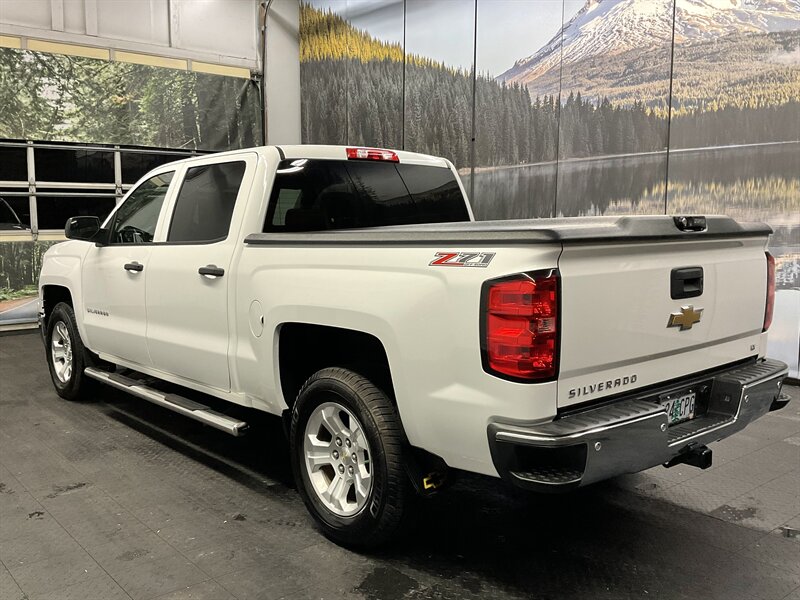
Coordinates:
column 211, row 271
column 133, row 267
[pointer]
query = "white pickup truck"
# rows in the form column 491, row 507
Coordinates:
column 350, row 291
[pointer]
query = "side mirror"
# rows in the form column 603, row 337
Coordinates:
column 82, row 228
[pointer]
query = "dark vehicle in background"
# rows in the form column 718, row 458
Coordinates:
column 9, row 219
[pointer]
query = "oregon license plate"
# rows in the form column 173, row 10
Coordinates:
column 679, row 406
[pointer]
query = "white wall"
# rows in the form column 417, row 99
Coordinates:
column 218, row 31
column 283, row 72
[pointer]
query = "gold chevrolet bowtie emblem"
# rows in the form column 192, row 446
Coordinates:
column 686, row 318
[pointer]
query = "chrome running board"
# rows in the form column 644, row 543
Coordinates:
column 174, row 402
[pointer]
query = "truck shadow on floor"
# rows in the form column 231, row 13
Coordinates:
column 258, row 459
column 479, row 538
column 599, row 542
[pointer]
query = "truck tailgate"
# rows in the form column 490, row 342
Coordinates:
column 617, row 302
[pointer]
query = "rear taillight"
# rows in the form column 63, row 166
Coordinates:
column 768, row 311
column 520, row 326
column 372, row 154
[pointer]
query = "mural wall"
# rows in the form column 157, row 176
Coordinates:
column 734, row 134
column 76, row 99
column 54, row 97
column 578, row 107
column 20, row 263
column 516, row 128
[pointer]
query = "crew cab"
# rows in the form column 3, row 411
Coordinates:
column 350, row 291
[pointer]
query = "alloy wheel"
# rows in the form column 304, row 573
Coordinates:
column 338, row 459
column 61, row 352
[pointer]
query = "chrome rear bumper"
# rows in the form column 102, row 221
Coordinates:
column 632, row 433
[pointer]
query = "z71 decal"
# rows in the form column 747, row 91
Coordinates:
column 462, row 259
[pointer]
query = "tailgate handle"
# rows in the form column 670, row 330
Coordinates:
column 686, row 282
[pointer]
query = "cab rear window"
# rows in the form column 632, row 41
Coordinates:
column 316, row 195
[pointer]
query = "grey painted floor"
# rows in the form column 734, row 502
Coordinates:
column 119, row 499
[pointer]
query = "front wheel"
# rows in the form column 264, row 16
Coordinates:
column 66, row 354
column 346, row 446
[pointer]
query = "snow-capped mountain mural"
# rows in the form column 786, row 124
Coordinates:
column 637, row 36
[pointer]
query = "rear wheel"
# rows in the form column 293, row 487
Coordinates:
column 66, row 354
column 346, row 443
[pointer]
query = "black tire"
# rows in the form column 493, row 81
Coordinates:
column 77, row 384
column 388, row 499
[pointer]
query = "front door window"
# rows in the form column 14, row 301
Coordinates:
column 135, row 221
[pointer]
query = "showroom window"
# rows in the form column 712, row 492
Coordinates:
column 205, row 203
column 60, row 206
column 45, row 183
column 15, row 213
column 74, row 166
column 135, row 166
column 135, row 221
column 13, row 163
column 9, row 218
column 313, row 195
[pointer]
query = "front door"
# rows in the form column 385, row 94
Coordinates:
column 114, row 274
column 188, row 276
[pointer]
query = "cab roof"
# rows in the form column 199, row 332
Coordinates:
column 292, row 151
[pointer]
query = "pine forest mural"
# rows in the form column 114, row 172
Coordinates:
column 75, row 99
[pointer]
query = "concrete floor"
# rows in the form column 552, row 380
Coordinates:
column 120, row 499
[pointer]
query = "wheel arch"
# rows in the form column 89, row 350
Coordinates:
column 305, row 348
column 60, row 280
column 51, row 295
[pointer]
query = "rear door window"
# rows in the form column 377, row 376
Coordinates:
column 314, row 195
column 205, row 202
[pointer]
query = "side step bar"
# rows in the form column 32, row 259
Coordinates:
column 174, row 402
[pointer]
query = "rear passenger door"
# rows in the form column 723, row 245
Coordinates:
column 188, row 277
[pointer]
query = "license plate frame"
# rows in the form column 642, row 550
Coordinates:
column 680, row 406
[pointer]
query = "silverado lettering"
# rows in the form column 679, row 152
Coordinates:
column 603, row 385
